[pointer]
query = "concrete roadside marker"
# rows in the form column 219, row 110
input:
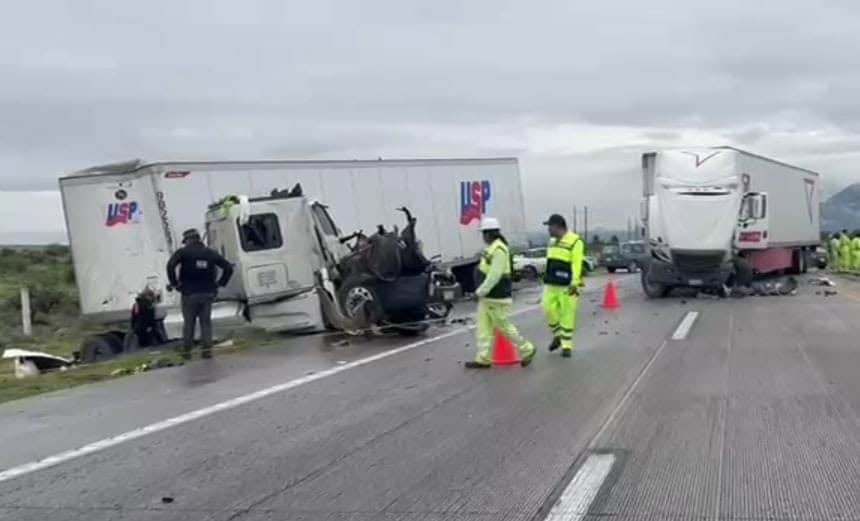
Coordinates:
column 686, row 324
column 582, row 489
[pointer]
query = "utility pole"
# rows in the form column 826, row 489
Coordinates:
column 574, row 218
column 586, row 224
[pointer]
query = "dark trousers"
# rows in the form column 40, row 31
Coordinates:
column 197, row 306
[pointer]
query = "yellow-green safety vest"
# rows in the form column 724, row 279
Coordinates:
column 561, row 257
column 504, row 288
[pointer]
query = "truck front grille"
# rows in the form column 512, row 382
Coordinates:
column 698, row 261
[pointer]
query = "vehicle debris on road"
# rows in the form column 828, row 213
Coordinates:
column 821, row 281
column 34, row 363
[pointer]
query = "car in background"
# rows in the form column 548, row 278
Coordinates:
column 625, row 256
column 817, row 257
column 531, row 264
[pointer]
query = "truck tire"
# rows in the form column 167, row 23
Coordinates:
column 359, row 304
column 743, row 273
column 654, row 289
column 798, row 263
column 610, row 270
column 631, row 267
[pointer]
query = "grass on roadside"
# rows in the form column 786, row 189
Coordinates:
column 58, row 328
column 12, row 388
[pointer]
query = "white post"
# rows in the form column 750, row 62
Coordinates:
column 25, row 311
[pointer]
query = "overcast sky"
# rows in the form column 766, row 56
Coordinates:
column 576, row 90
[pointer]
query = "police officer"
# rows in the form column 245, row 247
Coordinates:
column 834, row 252
column 844, row 251
column 855, row 252
column 562, row 280
column 495, row 299
column 197, row 282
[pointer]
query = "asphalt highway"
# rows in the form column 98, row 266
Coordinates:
column 681, row 408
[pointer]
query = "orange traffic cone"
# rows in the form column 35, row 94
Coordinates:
column 610, row 297
column 504, row 351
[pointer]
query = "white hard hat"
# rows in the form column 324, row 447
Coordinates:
column 490, row 223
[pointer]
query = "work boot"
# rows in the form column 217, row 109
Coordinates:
column 526, row 360
column 471, row 364
column 206, row 354
column 556, row 342
column 566, row 353
column 185, row 354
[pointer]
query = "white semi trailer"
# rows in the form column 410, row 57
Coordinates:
column 716, row 215
column 124, row 220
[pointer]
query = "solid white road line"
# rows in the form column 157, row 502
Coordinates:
column 582, row 489
column 685, row 325
column 113, row 441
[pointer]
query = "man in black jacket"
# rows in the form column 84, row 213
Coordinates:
column 196, row 281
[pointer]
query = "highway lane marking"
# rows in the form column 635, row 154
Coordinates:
column 113, row 441
column 582, row 489
column 685, row 325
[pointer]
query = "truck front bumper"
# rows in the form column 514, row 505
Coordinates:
column 669, row 275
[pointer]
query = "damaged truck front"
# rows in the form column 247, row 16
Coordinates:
column 715, row 217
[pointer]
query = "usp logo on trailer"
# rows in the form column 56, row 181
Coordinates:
column 123, row 213
column 474, row 196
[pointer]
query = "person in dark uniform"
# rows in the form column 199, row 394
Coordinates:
column 196, row 281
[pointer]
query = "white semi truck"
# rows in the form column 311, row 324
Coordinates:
column 124, row 221
column 715, row 216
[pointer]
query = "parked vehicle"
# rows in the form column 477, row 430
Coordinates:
column 625, row 256
column 124, row 220
column 717, row 216
column 818, row 257
column 531, row 264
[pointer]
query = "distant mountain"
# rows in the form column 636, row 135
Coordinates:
column 842, row 210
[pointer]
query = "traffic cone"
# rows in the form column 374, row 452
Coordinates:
column 504, row 351
column 610, row 297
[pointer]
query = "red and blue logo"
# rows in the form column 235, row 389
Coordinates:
column 474, row 196
column 123, row 213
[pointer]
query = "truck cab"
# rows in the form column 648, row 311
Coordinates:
column 279, row 245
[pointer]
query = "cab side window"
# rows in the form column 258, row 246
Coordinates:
column 261, row 232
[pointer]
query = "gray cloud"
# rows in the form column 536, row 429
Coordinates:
column 90, row 82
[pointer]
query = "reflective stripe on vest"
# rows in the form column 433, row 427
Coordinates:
column 504, row 288
column 559, row 257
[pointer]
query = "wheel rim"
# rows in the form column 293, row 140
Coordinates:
column 355, row 300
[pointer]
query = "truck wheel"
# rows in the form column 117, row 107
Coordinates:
column 798, row 264
column 359, row 303
column 654, row 289
column 631, row 268
column 743, row 273
column 610, row 270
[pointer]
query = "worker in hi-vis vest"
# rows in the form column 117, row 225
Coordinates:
column 834, row 251
column 855, row 252
column 495, row 299
column 844, row 251
column 562, row 281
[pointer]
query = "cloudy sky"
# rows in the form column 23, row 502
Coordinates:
column 577, row 90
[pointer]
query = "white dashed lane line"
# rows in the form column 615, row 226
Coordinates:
column 686, row 324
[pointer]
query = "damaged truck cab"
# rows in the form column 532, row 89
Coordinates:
column 278, row 245
column 714, row 217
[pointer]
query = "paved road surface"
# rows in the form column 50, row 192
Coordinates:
column 751, row 412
